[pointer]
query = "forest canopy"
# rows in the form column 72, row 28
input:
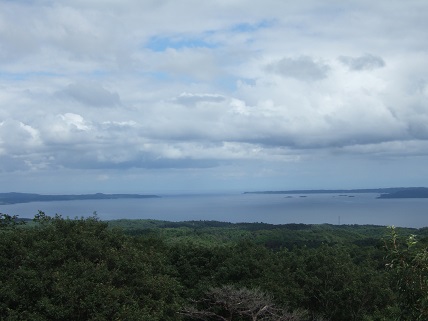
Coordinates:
column 56, row 268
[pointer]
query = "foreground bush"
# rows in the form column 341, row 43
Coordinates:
column 81, row 270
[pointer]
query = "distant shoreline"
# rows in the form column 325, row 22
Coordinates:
column 15, row 198
column 385, row 193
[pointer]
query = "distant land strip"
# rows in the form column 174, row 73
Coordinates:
column 390, row 192
column 14, row 198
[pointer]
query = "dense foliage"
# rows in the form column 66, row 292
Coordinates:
column 86, row 269
column 80, row 270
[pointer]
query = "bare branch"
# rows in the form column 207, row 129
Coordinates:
column 223, row 303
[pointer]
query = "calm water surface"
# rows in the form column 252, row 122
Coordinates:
column 276, row 209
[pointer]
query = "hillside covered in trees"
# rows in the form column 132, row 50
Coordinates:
column 85, row 269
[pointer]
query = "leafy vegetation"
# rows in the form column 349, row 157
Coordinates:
column 408, row 262
column 81, row 270
column 86, row 269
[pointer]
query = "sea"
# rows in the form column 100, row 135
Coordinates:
column 334, row 209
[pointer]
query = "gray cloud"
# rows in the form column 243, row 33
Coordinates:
column 302, row 68
column 13, row 164
column 365, row 62
column 418, row 129
column 91, row 94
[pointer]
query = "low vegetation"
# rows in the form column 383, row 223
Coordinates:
column 87, row 269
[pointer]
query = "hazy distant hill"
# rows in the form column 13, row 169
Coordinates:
column 13, row 198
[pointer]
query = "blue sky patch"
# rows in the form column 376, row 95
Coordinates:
column 25, row 75
column 159, row 43
column 251, row 27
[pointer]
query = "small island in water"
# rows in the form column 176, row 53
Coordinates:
column 14, row 198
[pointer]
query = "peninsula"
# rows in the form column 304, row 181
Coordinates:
column 332, row 191
column 415, row 192
column 384, row 193
column 14, row 198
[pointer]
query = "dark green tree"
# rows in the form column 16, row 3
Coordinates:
column 336, row 288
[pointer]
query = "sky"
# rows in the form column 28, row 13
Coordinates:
column 169, row 96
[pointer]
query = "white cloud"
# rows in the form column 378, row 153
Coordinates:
column 17, row 138
column 83, row 84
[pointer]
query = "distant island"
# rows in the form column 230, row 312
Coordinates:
column 14, row 198
column 385, row 193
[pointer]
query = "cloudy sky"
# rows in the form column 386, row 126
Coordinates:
column 186, row 95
